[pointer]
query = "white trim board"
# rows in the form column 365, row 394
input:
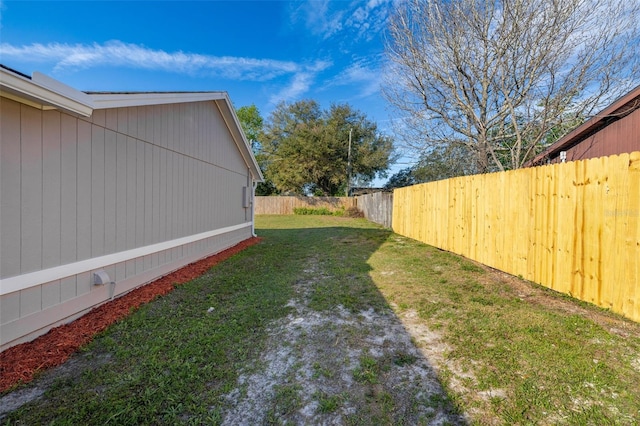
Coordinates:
column 32, row 279
column 46, row 91
column 120, row 100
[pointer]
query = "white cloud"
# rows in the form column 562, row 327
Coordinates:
column 362, row 20
column 299, row 85
column 360, row 73
column 65, row 57
column 319, row 18
column 119, row 54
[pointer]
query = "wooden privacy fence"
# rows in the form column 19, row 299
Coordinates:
column 572, row 227
column 377, row 207
column 285, row 205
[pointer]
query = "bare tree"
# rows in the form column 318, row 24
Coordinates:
column 498, row 76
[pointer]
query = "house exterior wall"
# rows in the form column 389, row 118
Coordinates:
column 618, row 137
column 136, row 191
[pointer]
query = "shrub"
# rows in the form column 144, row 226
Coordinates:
column 311, row 211
column 350, row 212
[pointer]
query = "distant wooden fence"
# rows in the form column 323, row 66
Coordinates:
column 377, row 207
column 572, row 227
column 285, row 205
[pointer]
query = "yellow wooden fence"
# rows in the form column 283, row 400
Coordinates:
column 572, row 227
column 285, row 205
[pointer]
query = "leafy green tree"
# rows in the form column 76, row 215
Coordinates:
column 401, row 179
column 252, row 124
column 307, row 149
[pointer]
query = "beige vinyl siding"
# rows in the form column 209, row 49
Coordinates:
column 51, row 173
column 110, row 191
column 83, row 193
column 10, row 191
column 141, row 177
column 31, row 189
column 68, row 190
column 77, row 188
column 96, row 194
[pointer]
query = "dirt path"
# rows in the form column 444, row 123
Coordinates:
column 338, row 367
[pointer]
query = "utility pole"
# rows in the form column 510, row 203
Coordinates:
column 349, row 165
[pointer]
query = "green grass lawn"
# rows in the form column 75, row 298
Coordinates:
column 512, row 352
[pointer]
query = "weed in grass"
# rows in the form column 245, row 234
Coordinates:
column 328, row 403
column 454, row 295
column 320, row 371
column 482, row 300
column 402, row 358
column 367, row 371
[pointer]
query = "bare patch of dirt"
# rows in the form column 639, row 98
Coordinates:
column 339, row 367
column 430, row 343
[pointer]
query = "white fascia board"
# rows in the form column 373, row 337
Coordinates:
column 32, row 279
column 121, row 100
column 46, row 92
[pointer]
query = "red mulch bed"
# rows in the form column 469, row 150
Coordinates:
column 21, row 362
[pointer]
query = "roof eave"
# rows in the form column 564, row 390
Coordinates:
column 44, row 92
column 121, row 100
column 588, row 126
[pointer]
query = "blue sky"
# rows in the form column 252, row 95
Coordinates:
column 260, row 52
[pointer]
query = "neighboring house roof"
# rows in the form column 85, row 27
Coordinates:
column 619, row 109
column 44, row 92
column 365, row 191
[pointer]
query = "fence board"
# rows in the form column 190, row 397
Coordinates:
column 572, row 227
